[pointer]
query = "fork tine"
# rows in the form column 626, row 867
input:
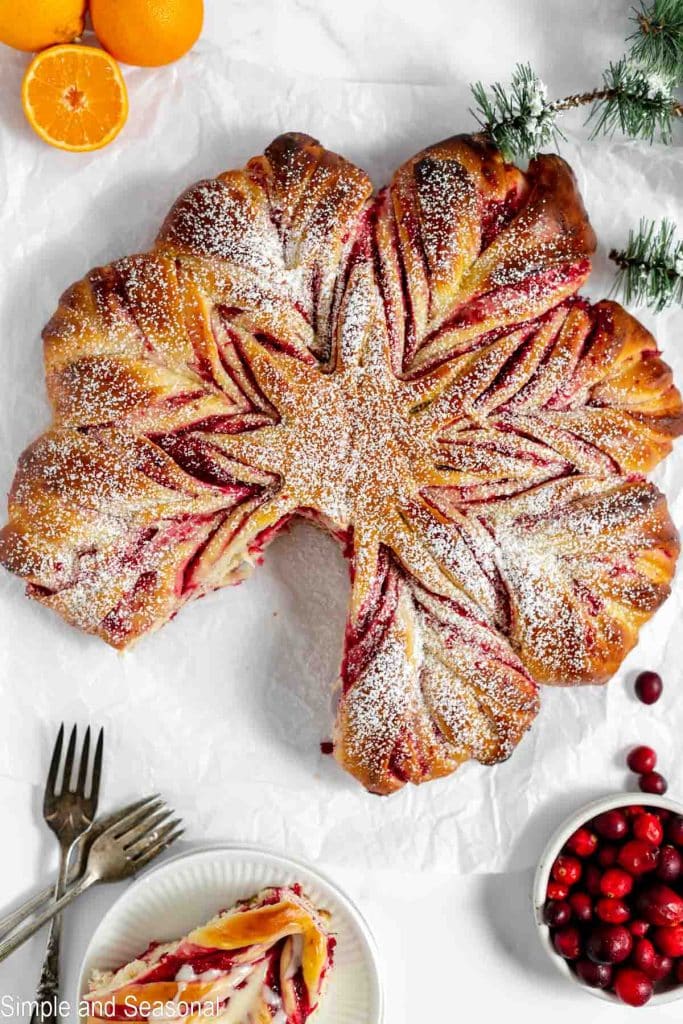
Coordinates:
column 97, row 770
column 135, row 819
column 51, row 784
column 156, row 849
column 83, row 767
column 69, row 762
column 148, row 824
column 152, row 832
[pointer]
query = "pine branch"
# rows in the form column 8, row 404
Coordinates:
column 635, row 100
column 651, row 266
column 522, row 122
column 658, row 40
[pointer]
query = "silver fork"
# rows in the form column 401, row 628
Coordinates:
column 69, row 812
column 119, row 852
column 17, row 916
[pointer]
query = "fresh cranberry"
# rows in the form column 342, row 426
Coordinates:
column 611, row 825
column 612, row 911
column 669, row 941
column 643, row 955
column 567, row 870
column 648, row 687
column 616, row 882
column 653, row 782
column 670, row 864
column 567, row 942
column 641, row 760
column 557, row 913
column 674, row 831
column 582, row 906
column 638, row 928
column 607, row 855
column 591, row 879
column 557, row 890
column 633, row 987
column 595, row 975
column 633, row 811
column 638, row 857
column 583, row 842
column 609, row 944
column 648, row 827
column 660, row 905
column 661, row 968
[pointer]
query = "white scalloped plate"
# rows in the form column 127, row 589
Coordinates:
column 168, row 901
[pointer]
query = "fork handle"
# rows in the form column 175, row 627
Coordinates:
column 13, row 942
column 10, row 921
column 46, row 1010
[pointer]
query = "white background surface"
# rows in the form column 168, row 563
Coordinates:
column 223, row 711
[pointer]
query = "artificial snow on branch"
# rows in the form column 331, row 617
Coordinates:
column 651, row 266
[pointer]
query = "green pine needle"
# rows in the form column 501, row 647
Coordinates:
column 635, row 100
column 521, row 122
column 658, row 41
column 651, row 266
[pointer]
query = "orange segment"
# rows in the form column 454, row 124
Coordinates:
column 75, row 97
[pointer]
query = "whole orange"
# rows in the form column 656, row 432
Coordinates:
column 40, row 23
column 147, row 32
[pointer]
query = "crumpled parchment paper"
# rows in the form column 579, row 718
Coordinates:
column 224, row 709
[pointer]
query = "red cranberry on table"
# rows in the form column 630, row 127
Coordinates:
column 653, row 782
column 581, row 905
column 638, row 857
column 557, row 913
column 633, row 987
column 612, row 911
column 567, row 942
column 595, row 975
column 670, row 864
column 583, row 842
column 648, row 687
column 609, row 944
column 669, row 941
column 616, row 882
column 611, row 825
column 642, row 760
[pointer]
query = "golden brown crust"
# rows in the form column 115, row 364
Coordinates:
column 412, row 369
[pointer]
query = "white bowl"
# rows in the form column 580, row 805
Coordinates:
column 545, row 864
column 169, row 900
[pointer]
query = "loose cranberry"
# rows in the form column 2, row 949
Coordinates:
column 616, row 882
column 674, row 831
column 557, row 890
column 612, row 911
column 557, row 913
column 595, row 975
column 643, row 955
column 660, row 905
column 567, row 942
column 583, row 843
column 567, row 870
column 611, row 825
column 607, row 855
column 633, row 987
column 582, row 906
column 638, row 928
column 638, row 857
column 648, row 687
column 653, row 782
column 669, row 941
column 609, row 944
column 661, row 968
column 641, row 760
column 649, row 828
column 591, row 879
column 670, row 864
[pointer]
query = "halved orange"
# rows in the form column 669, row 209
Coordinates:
column 75, row 97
